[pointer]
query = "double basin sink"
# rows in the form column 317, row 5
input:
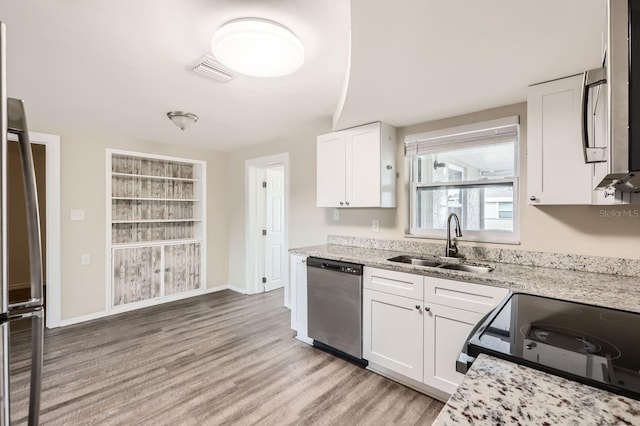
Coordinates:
column 434, row 263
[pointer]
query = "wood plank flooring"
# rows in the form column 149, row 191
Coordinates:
column 222, row 358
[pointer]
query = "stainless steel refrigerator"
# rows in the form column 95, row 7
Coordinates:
column 13, row 121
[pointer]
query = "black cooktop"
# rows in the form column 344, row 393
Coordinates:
column 591, row 344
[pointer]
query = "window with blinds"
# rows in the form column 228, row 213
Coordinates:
column 471, row 171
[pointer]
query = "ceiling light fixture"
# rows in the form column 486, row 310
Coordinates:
column 257, row 47
column 182, row 119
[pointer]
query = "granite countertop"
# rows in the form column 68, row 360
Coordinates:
column 614, row 291
column 495, row 391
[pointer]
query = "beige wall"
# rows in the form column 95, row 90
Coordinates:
column 306, row 221
column 83, row 185
column 556, row 229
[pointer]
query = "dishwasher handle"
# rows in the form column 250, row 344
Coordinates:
column 334, row 265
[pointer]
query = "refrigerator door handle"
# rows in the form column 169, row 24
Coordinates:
column 17, row 124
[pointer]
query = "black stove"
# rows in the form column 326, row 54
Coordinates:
column 590, row 344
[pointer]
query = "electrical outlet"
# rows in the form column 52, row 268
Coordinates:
column 85, row 259
column 336, row 214
column 375, row 225
column 77, row 214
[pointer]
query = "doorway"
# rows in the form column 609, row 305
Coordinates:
column 46, row 151
column 17, row 238
column 267, row 223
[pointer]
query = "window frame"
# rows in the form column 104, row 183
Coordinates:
column 488, row 236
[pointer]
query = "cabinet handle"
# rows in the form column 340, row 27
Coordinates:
column 346, row 202
column 418, row 307
column 533, row 198
column 341, row 203
column 304, row 260
column 427, row 309
column 389, row 167
column 167, row 269
column 157, row 271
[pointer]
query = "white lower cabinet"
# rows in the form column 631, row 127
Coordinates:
column 392, row 333
column 445, row 331
column 420, row 339
column 298, row 294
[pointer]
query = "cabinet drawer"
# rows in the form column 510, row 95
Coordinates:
column 393, row 282
column 468, row 296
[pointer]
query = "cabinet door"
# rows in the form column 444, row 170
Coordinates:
column 556, row 171
column 393, row 333
column 181, row 268
column 299, row 296
column 331, row 165
column 445, row 331
column 136, row 274
column 363, row 166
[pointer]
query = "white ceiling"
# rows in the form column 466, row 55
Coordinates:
column 117, row 67
column 419, row 60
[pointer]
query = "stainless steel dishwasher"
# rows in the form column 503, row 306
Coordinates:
column 334, row 306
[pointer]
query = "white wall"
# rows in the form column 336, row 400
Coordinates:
column 83, row 186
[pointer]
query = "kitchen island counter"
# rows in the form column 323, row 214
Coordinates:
column 495, row 391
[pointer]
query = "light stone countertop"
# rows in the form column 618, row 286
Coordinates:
column 613, row 291
column 499, row 392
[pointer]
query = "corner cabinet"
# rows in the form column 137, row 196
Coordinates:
column 556, row 171
column 414, row 327
column 156, row 227
column 356, row 167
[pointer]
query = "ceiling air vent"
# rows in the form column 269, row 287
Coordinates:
column 209, row 67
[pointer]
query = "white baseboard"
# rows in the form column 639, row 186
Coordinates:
column 102, row 314
column 237, row 289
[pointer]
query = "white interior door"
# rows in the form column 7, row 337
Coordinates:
column 275, row 247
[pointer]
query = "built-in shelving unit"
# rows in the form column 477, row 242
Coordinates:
column 156, row 228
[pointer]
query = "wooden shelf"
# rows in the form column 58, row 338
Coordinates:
column 128, row 175
column 156, row 243
column 155, row 221
column 193, row 200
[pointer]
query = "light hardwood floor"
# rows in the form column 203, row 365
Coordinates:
column 222, row 358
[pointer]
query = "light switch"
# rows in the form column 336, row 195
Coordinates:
column 77, row 214
column 375, row 225
column 336, row 214
column 85, row 259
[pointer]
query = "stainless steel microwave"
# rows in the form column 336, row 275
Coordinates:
column 611, row 103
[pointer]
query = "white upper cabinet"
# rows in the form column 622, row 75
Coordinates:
column 556, row 171
column 356, row 167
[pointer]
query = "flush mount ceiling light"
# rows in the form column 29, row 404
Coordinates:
column 182, row 119
column 257, row 47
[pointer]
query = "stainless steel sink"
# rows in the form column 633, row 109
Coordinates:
column 416, row 261
column 434, row 263
column 467, row 268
